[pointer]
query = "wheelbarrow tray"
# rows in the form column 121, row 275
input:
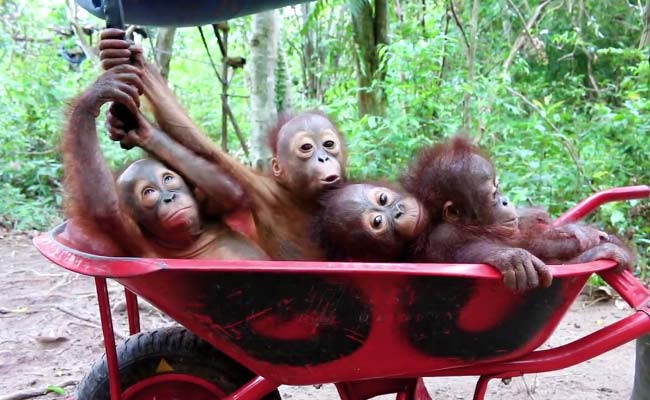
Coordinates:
column 301, row 323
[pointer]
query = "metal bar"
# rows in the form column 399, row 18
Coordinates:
column 564, row 356
column 414, row 390
column 594, row 201
column 256, row 388
column 109, row 338
column 481, row 387
column 132, row 311
column 405, row 388
column 632, row 290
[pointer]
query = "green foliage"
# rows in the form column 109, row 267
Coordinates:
column 36, row 84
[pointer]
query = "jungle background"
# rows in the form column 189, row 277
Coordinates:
column 555, row 90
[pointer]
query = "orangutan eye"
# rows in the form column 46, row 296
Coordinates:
column 148, row 192
column 383, row 199
column 167, row 179
column 377, row 221
column 306, row 147
column 328, row 144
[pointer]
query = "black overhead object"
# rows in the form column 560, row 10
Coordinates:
column 180, row 12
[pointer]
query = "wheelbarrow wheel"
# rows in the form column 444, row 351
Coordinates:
column 167, row 363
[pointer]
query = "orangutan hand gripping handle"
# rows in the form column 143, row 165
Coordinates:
column 114, row 54
column 521, row 270
column 169, row 113
column 615, row 250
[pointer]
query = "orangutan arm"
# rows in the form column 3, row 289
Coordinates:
column 92, row 202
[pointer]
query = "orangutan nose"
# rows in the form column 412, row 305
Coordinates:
column 399, row 211
column 169, row 197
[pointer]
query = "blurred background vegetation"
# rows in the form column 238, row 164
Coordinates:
column 556, row 90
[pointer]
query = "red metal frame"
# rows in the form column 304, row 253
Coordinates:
column 171, row 386
column 406, row 389
column 594, row 201
column 109, row 337
column 408, row 386
column 132, row 311
column 256, row 388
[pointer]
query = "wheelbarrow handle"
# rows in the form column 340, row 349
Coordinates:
column 594, row 201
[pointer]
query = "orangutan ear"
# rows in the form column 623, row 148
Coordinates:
column 449, row 212
column 199, row 195
column 276, row 168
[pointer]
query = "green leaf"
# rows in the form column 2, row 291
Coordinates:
column 617, row 217
column 56, row 389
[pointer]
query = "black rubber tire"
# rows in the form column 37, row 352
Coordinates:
column 140, row 355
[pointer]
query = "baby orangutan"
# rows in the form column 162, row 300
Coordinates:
column 471, row 221
column 149, row 211
column 366, row 222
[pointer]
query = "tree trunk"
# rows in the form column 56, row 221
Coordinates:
column 645, row 34
column 370, row 33
column 471, row 55
column 525, row 34
column 284, row 92
column 309, row 56
column 164, row 47
column 423, row 18
column 262, row 68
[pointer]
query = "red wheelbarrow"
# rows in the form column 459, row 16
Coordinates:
column 370, row 328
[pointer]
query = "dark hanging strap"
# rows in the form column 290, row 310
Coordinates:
column 207, row 50
column 222, row 46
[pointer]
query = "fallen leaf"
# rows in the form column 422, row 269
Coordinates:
column 56, row 389
column 606, row 290
column 621, row 304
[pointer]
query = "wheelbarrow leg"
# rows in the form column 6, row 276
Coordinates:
column 416, row 391
column 481, row 387
column 405, row 389
column 642, row 369
column 132, row 311
column 109, row 338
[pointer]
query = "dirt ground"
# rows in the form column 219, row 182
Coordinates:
column 50, row 335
